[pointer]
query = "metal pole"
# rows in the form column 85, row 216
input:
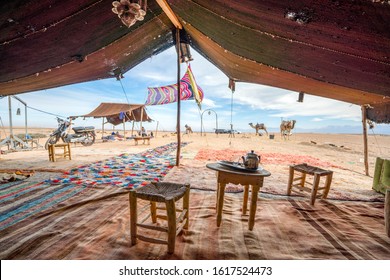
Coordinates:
column 25, row 114
column 201, row 119
column 10, row 117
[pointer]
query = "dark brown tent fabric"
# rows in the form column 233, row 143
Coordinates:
column 115, row 112
column 333, row 49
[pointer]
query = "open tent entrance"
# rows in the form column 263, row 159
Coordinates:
column 119, row 113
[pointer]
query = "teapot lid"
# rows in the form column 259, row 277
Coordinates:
column 252, row 152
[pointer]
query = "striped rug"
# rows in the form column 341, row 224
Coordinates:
column 20, row 200
column 97, row 227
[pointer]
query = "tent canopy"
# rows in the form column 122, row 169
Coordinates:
column 334, row 49
column 117, row 113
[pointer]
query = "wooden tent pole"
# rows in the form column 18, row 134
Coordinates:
column 124, row 126
column 364, row 121
column 132, row 128
column 142, row 115
column 102, row 127
column 156, row 129
column 178, row 98
column 171, row 15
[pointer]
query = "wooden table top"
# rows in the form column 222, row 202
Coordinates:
column 218, row 167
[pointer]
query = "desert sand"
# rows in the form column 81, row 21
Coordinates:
column 341, row 153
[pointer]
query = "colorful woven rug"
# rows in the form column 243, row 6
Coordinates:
column 20, row 200
column 125, row 170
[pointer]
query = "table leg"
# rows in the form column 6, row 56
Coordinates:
column 245, row 200
column 221, row 193
column 216, row 200
column 133, row 217
column 253, row 206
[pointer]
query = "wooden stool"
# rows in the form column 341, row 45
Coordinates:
column 167, row 193
column 317, row 173
column 65, row 154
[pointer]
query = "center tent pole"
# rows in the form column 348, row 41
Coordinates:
column 178, row 98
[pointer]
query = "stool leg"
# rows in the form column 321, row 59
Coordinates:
column 171, row 216
column 186, row 206
column 69, row 152
column 315, row 188
column 221, row 194
column 327, row 185
column 153, row 211
column 245, row 200
column 290, row 180
column 50, row 148
column 303, row 180
column 133, row 217
column 53, row 152
column 253, row 206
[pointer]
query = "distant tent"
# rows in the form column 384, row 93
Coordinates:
column 119, row 113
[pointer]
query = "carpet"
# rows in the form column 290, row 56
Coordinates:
column 98, row 228
column 125, row 170
column 266, row 158
column 20, row 200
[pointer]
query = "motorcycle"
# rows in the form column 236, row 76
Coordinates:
column 82, row 134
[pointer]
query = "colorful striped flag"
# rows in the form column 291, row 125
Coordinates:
column 168, row 94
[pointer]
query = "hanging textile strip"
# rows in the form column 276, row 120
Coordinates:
column 168, row 94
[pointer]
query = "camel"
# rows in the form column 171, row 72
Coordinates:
column 188, row 129
column 286, row 127
column 259, row 126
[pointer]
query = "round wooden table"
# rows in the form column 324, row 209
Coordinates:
column 226, row 175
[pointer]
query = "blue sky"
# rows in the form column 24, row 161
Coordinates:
column 251, row 102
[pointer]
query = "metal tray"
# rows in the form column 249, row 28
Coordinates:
column 237, row 165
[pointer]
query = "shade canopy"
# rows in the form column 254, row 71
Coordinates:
column 334, row 49
column 117, row 113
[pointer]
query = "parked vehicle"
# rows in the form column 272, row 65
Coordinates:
column 221, row 131
column 82, row 134
column 226, row 131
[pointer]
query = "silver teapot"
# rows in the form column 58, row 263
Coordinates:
column 251, row 161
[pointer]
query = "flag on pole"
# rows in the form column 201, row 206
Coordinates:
column 168, row 94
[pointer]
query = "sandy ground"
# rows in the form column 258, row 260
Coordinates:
column 343, row 152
